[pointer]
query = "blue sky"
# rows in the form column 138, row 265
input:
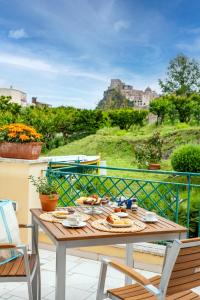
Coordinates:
column 66, row 51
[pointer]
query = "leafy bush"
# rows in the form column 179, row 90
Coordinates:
column 125, row 118
column 150, row 151
column 160, row 108
column 186, row 159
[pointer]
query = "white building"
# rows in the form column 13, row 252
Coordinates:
column 17, row 96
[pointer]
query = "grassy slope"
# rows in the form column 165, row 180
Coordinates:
column 116, row 146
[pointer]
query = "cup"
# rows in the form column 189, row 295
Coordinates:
column 73, row 219
column 150, row 216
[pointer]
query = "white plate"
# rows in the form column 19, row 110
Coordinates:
column 66, row 223
column 121, row 214
column 120, row 225
column 149, row 221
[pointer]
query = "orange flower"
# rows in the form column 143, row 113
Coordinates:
column 24, row 137
column 24, row 132
column 12, row 134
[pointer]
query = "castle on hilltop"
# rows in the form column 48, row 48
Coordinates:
column 139, row 98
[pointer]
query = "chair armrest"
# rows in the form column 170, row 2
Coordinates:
column 26, row 226
column 130, row 272
column 7, row 246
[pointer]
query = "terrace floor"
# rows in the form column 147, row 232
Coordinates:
column 82, row 278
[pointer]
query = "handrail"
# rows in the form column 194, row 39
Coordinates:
column 124, row 169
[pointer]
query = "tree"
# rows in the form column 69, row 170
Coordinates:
column 125, row 118
column 160, row 108
column 183, row 76
column 184, row 106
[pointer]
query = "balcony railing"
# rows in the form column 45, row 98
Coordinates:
column 173, row 195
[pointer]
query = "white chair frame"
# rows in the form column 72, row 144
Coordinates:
column 32, row 278
column 171, row 255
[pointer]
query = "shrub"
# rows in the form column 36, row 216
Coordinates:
column 125, row 118
column 186, row 159
column 150, row 151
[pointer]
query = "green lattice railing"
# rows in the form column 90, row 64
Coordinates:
column 173, row 195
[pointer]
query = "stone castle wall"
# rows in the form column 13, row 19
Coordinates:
column 140, row 98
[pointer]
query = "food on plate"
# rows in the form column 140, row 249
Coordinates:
column 81, row 200
column 91, row 200
column 105, row 200
column 123, row 209
column 115, row 220
column 61, row 214
column 119, row 209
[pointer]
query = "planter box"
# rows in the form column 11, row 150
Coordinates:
column 154, row 167
column 20, row 150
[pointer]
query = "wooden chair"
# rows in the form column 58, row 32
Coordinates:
column 25, row 268
column 181, row 272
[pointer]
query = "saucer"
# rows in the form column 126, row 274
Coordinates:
column 121, row 214
column 67, row 224
column 92, row 211
column 154, row 220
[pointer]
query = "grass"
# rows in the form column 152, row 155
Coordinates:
column 116, row 146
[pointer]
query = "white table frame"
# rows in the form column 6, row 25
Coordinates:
column 61, row 247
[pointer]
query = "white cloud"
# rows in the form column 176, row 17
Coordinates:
column 25, row 62
column 43, row 66
column 120, row 25
column 17, row 34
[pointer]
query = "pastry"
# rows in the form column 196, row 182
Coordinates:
column 115, row 220
column 61, row 214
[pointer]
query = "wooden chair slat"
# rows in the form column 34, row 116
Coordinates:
column 189, row 250
column 16, row 267
column 184, row 279
column 187, row 265
column 188, row 257
column 182, row 273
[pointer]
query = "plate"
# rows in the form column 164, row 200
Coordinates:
column 121, row 214
column 92, row 211
column 66, row 223
column 60, row 214
column 149, row 221
column 120, row 225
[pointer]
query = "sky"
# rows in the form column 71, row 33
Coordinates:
column 66, row 51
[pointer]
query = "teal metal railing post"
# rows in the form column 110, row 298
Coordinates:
column 177, row 204
column 188, row 200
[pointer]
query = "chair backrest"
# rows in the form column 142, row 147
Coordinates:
column 9, row 231
column 182, row 267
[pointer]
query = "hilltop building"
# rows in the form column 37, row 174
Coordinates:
column 35, row 102
column 20, row 97
column 138, row 97
column 17, row 96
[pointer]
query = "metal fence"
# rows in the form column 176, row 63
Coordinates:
column 173, row 195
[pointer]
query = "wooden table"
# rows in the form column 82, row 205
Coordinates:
column 88, row 236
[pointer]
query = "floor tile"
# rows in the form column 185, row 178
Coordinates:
column 71, row 294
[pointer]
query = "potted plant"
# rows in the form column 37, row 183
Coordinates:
column 149, row 153
column 155, row 151
column 19, row 141
column 47, row 192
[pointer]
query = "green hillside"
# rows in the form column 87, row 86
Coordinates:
column 116, row 146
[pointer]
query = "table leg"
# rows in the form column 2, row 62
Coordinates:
column 129, row 261
column 60, row 272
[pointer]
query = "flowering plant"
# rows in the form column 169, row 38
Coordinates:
column 19, row 133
